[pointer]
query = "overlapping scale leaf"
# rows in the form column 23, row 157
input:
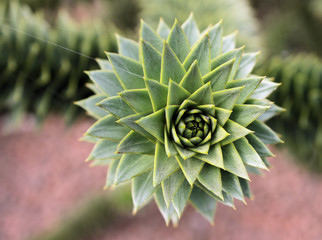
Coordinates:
column 183, row 118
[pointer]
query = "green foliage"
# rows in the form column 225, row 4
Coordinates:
column 301, row 94
column 36, row 74
column 185, row 125
column 236, row 15
column 291, row 25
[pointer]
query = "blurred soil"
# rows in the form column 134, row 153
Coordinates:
column 43, row 176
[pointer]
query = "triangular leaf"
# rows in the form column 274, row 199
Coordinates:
column 191, row 30
column 181, row 197
column 111, row 174
column 219, row 135
column 222, row 115
column 135, row 143
column 108, row 129
column 203, row 95
column 158, row 94
column 106, row 81
column 236, row 132
column 128, row 47
column 232, row 161
column 128, row 71
column 264, row 133
column 250, row 84
column 264, row 89
column 271, row 112
column 178, row 41
column 104, row 64
column 89, row 104
column 245, row 187
column 210, row 177
column 170, row 66
column 151, row 61
column 246, row 65
column 163, row 29
column 219, row 76
column 104, row 149
column 214, row 156
column 191, row 168
column 164, row 166
column 215, row 37
column 192, row 80
column 142, row 190
column 132, row 165
column 221, row 59
column 259, row 146
column 154, row 124
column 229, row 42
column 245, row 114
column 130, row 122
column 171, row 185
column 248, row 154
column 138, row 99
column 116, row 106
column 149, row 35
column 201, row 53
column 226, row 98
column 231, row 185
column 166, row 211
column 203, row 203
column 176, row 94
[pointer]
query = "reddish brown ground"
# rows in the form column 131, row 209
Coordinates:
column 43, row 175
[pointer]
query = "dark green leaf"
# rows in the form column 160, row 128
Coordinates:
column 128, row 47
column 236, row 132
column 138, row 99
column 264, row 133
column 128, row 71
column 171, row 185
column 250, row 84
column 154, row 124
column 201, row 53
column 246, row 65
column 135, row 143
column 132, row 165
column 142, row 190
column 191, row 30
column 191, row 168
column 219, row 76
column 192, row 80
column 171, row 67
column 158, row 94
column 232, row 161
column 104, row 149
column 248, row 154
column 226, row 98
column 108, row 129
column 181, row 197
column 116, row 106
column 178, row 41
column 151, row 61
column 245, row 114
column 203, row 203
column 149, row 35
column 106, row 81
column 210, row 177
column 164, row 166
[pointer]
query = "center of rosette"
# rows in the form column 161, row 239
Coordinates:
column 192, row 127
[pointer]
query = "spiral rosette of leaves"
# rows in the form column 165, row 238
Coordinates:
column 181, row 116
